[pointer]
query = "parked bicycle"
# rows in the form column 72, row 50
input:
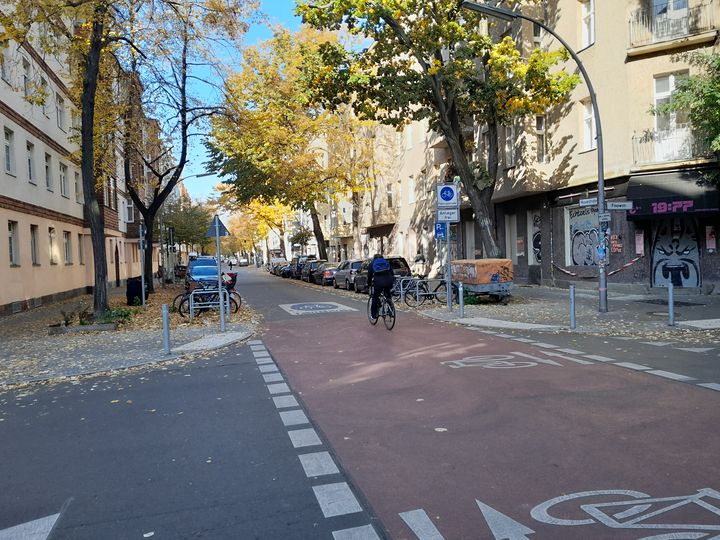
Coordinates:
column 417, row 291
column 386, row 310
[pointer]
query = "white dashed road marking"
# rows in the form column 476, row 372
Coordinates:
column 630, row 365
column 599, row 358
column 273, row 377
column 545, row 345
column 259, row 348
column 279, row 388
column 264, row 361
column 318, row 464
column 301, row 438
column 658, row 343
column 293, row 418
column 571, row 351
column 366, row 532
column 38, row 529
column 523, row 340
column 568, row 358
column 336, row 499
column 696, row 349
column 267, row 368
column 421, row 524
column 285, row 402
column 261, row 354
column 255, row 342
column 670, row 375
column 711, row 386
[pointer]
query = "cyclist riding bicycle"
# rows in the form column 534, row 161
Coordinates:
column 381, row 277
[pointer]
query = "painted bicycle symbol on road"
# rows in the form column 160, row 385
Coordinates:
column 621, row 509
column 490, row 361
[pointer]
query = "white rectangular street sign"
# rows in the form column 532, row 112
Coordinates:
column 448, row 196
column 619, row 205
column 451, row 215
column 604, row 217
column 592, row 201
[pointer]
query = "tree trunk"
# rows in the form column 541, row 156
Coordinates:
column 357, row 243
column 319, row 236
column 87, row 165
column 149, row 236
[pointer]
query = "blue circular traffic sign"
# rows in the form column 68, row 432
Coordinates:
column 447, row 193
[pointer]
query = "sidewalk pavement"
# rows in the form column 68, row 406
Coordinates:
column 697, row 317
column 30, row 355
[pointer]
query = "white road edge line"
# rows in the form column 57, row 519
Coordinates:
column 421, row 524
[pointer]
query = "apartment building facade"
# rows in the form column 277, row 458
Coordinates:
column 550, row 162
column 46, row 251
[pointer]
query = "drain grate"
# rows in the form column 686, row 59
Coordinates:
column 662, row 302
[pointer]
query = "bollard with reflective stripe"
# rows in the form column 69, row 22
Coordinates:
column 573, row 322
column 461, row 299
column 166, row 327
column 671, row 304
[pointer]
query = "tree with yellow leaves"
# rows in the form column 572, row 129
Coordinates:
column 429, row 60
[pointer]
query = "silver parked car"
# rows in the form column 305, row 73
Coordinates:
column 345, row 275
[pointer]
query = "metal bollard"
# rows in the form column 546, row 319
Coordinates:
column 461, row 299
column 166, row 327
column 671, row 304
column 573, row 322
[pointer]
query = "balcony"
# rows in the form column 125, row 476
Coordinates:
column 342, row 230
column 662, row 146
column 672, row 20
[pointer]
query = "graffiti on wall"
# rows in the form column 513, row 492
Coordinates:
column 536, row 238
column 676, row 254
column 583, row 227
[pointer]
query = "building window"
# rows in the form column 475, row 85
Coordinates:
column 13, row 243
column 389, row 191
column 537, row 35
column 30, row 149
column 52, row 245
column 589, row 132
column 411, row 190
column 130, row 211
column 67, row 247
column 27, row 77
column 45, row 96
column 510, row 140
column 587, row 21
column 60, row 110
column 664, row 88
column 9, row 151
column 34, row 253
column 81, row 250
column 541, row 139
column 78, row 188
column 63, row 180
column 113, row 193
column 48, row 172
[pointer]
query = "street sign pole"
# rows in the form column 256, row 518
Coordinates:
column 219, row 274
column 448, row 269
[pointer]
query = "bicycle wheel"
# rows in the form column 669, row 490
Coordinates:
column 234, row 295
column 233, row 306
column 369, row 312
column 441, row 293
column 184, row 307
column 389, row 314
column 176, row 302
column 414, row 301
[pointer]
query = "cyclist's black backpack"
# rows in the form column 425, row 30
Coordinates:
column 380, row 265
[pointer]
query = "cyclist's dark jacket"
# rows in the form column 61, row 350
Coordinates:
column 380, row 279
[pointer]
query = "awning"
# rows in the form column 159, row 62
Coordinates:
column 380, row 230
column 670, row 193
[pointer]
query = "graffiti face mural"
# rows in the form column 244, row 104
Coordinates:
column 676, row 254
column 536, row 239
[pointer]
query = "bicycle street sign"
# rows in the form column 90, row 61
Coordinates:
column 447, row 196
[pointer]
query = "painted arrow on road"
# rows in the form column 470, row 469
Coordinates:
column 502, row 526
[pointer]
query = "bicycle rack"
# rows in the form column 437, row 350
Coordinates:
column 412, row 285
column 214, row 302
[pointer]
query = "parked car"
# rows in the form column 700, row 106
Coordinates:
column 309, row 269
column 345, row 275
column 201, row 261
column 285, row 271
column 242, row 261
column 325, row 274
column 299, row 263
column 399, row 266
column 202, row 274
column 275, row 264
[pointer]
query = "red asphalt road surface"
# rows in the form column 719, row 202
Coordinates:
column 416, row 434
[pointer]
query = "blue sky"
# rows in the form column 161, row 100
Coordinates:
column 279, row 12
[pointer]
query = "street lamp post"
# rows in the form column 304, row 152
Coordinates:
column 508, row 15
